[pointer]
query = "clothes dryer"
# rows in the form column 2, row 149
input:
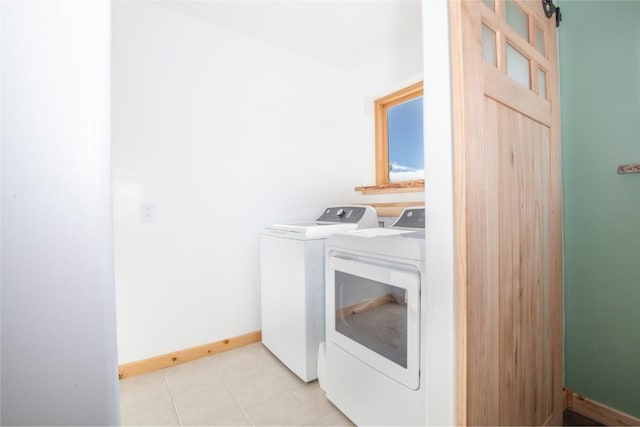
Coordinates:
column 374, row 322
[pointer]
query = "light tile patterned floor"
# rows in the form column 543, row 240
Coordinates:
column 242, row 387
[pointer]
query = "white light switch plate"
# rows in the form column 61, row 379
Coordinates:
column 148, row 212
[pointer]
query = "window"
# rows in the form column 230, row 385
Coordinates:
column 399, row 142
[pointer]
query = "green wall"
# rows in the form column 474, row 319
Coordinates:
column 600, row 98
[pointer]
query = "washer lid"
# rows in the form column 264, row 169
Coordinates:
column 308, row 230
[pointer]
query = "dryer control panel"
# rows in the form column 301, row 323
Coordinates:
column 411, row 218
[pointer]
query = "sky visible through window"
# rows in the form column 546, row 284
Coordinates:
column 406, row 151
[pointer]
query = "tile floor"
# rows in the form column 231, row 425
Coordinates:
column 247, row 386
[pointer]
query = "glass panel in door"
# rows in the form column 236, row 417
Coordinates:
column 517, row 19
column 540, row 40
column 489, row 53
column 542, row 83
column 518, row 66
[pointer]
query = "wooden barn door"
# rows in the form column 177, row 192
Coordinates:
column 508, row 213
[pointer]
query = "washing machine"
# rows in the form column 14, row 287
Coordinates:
column 374, row 322
column 292, row 266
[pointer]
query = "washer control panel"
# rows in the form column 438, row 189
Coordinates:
column 349, row 214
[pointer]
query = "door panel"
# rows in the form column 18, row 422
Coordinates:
column 508, row 214
column 524, row 296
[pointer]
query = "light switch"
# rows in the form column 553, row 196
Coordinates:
column 148, row 212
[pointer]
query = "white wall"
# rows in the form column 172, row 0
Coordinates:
column 58, row 315
column 438, row 294
column 390, row 70
column 225, row 135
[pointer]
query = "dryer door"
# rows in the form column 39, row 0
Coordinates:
column 373, row 313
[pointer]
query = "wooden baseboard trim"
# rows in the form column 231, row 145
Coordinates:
column 139, row 367
column 597, row 411
column 568, row 396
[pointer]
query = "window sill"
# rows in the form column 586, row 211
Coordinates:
column 393, row 187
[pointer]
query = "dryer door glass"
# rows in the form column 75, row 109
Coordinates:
column 373, row 314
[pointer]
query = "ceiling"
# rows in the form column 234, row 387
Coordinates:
column 342, row 33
